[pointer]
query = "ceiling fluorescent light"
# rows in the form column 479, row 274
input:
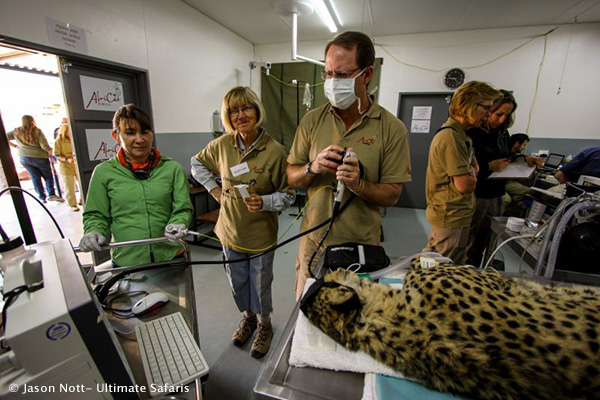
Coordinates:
column 325, row 14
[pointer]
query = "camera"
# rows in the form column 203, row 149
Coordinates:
column 344, row 154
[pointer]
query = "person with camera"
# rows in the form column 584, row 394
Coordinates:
column 352, row 122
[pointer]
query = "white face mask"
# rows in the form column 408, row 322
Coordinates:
column 340, row 92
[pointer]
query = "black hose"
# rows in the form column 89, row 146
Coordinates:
column 102, row 290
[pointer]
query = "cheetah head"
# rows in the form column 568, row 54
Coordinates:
column 332, row 307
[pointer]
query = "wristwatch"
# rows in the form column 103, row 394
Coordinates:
column 307, row 170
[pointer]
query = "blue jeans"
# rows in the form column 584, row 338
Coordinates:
column 39, row 168
column 250, row 281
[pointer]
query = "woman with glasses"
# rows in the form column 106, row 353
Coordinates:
column 252, row 169
column 452, row 171
column 491, row 142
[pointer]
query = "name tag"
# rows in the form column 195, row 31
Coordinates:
column 239, row 169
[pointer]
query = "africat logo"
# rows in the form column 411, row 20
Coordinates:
column 258, row 170
column 368, row 141
column 105, row 100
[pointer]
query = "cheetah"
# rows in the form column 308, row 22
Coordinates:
column 467, row 331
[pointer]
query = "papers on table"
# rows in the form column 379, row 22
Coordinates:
column 514, row 171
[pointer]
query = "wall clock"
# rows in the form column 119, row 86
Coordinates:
column 454, row 77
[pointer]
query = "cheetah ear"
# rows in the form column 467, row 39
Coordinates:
column 345, row 300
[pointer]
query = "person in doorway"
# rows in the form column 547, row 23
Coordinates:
column 452, row 171
column 33, row 152
column 247, row 156
column 353, row 122
column 63, row 150
column 64, row 121
column 138, row 194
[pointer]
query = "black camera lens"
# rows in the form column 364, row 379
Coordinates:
column 340, row 161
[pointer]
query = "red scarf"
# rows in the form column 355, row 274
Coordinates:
column 146, row 166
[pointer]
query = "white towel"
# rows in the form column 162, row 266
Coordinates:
column 370, row 388
column 313, row 348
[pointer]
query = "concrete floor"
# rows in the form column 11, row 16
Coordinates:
column 233, row 372
column 44, row 229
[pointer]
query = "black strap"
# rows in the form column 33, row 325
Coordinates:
column 446, row 127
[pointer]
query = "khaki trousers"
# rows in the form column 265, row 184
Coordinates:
column 305, row 252
column 449, row 242
column 68, row 182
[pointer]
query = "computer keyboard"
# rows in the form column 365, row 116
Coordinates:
column 169, row 353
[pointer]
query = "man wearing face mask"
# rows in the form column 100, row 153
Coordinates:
column 354, row 122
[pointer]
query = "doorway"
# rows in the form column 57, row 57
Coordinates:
column 85, row 90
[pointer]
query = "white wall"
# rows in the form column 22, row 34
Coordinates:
column 192, row 60
column 569, row 114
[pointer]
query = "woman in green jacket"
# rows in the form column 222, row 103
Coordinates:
column 135, row 195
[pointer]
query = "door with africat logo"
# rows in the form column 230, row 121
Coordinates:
column 94, row 91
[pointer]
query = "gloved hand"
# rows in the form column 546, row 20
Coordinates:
column 92, row 242
column 175, row 232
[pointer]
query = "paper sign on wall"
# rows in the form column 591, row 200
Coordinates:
column 421, row 112
column 66, row 36
column 420, row 126
column 421, row 119
column 101, row 94
column 101, row 145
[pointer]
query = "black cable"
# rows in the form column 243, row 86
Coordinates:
column 102, row 290
column 18, row 189
column 336, row 212
column 10, row 298
column 122, row 312
column 4, row 235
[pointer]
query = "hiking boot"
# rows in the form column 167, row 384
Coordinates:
column 74, row 208
column 56, row 198
column 244, row 331
column 262, row 341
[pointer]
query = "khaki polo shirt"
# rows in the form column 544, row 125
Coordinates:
column 450, row 154
column 380, row 141
column 266, row 174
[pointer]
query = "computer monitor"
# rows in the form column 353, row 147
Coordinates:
column 59, row 336
column 553, row 161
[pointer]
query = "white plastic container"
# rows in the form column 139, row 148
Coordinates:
column 515, row 224
column 537, row 212
column 13, row 253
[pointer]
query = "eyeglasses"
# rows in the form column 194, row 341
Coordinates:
column 340, row 75
column 235, row 112
column 486, row 108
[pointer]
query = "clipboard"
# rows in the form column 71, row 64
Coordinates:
column 514, row 171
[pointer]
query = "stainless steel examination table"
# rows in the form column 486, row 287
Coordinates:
column 279, row 380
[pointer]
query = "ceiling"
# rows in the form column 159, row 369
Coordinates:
column 28, row 60
column 258, row 22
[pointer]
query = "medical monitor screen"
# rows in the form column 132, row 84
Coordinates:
column 554, row 160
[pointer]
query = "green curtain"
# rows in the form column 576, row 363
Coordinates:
column 283, row 100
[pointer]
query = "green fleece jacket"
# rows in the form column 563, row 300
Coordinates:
column 126, row 208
